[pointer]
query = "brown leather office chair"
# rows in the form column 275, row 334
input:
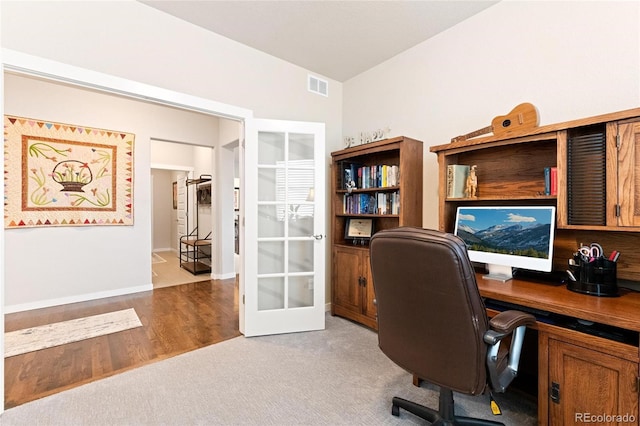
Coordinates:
column 432, row 321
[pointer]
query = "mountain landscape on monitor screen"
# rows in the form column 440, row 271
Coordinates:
column 530, row 241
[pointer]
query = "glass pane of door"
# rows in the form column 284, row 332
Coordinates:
column 286, row 193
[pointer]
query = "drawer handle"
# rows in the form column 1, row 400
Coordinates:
column 555, row 392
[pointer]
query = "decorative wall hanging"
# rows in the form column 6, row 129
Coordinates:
column 65, row 175
column 174, row 195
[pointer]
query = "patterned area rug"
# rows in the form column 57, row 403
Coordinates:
column 49, row 335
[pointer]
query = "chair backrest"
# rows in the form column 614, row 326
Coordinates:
column 431, row 318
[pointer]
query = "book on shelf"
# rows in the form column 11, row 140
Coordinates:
column 456, row 180
column 394, row 176
column 388, row 203
column 348, row 173
column 374, row 203
column 547, row 181
column 550, row 181
column 374, row 176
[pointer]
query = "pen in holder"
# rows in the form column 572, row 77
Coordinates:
column 595, row 276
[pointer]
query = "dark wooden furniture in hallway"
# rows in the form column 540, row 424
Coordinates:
column 174, row 320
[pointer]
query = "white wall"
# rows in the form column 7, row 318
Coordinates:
column 570, row 59
column 131, row 40
column 106, row 260
column 172, row 153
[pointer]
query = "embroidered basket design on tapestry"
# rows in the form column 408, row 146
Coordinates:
column 66, row 175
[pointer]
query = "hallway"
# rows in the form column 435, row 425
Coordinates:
column 166, row 271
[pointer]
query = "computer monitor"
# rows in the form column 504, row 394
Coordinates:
column 508, row 237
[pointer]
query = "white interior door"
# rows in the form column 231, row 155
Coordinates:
column 283, row 283
column 182, row 208
column 185, row 206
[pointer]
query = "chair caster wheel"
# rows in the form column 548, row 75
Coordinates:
column 395, row 410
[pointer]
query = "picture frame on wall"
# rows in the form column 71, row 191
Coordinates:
column 175, row 195
column 204, row 194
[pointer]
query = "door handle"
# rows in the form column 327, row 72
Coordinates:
column 555, row 392
column 318, row 236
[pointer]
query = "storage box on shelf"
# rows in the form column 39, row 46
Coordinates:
column 386, row 190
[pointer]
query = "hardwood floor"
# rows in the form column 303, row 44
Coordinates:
column 175, row 320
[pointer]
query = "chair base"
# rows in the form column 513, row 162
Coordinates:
column 444, row 417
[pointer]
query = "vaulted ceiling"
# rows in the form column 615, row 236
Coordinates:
column 337, row 39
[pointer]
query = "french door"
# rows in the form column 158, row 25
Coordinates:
column 282, row 287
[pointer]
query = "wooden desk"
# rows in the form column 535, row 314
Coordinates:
column 590, row 375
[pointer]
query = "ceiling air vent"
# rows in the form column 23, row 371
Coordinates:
column 318, row 85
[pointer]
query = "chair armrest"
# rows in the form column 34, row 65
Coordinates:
column 508, row 323
column 504, row 323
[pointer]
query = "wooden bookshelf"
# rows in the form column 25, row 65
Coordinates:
column 352, row 293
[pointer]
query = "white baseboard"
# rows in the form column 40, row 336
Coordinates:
column 157, row 250
column 226, row 276
column 74, row 299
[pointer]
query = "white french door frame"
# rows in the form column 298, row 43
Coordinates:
column 279, row 317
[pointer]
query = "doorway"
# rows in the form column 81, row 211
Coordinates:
column 129, row 266
column 168, row 212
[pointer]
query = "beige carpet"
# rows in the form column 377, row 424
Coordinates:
column 169, row 272
column 336, row 376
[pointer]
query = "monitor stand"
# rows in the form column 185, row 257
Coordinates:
column 498, row 272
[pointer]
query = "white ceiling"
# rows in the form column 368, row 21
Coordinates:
column 337, row 39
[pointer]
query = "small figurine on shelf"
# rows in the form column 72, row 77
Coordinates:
column 472, row 183
column 350, row 186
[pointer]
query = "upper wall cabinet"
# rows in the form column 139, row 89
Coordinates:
column 598, row 181
column 628, row 172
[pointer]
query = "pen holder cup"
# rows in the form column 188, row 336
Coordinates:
column 598, row 277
